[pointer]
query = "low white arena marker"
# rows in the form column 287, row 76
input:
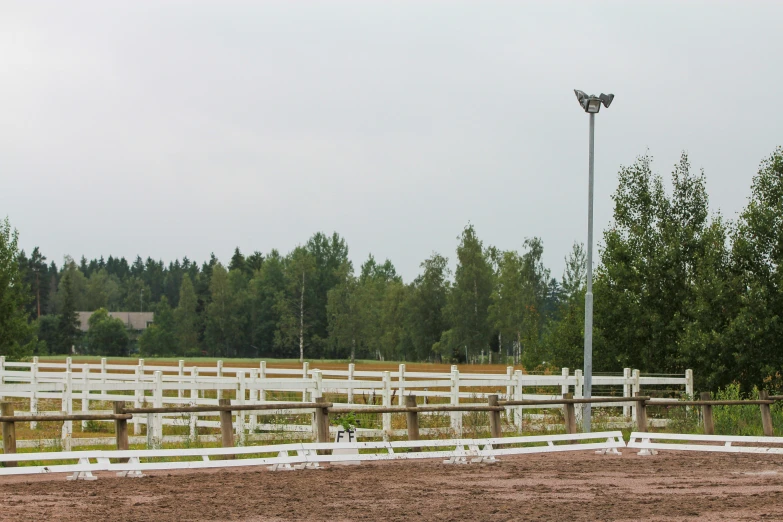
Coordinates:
column 135, row 473
column 346, row 437
column 82, row 475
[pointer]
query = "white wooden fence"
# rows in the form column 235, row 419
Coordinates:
column 301, row 455
column 159, row 386
column 649, row 443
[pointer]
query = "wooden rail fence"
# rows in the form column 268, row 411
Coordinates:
column 494, row 407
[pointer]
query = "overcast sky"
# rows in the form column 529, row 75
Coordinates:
column 171, row 129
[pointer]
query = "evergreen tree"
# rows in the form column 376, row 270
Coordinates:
column 159, row 339
column 68, row 332
column 469, row 300
column 426, row 320
column 186, row 319
column 17, row 334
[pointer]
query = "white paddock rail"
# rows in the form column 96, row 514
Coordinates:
column 648, row 443
column 155, row 385
column 304, row 455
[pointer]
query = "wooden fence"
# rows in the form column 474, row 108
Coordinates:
column 181, row 385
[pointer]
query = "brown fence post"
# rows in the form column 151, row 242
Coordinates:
column 121, row 426
column 226, row 427
column 412, row 417
column 766, row 415
column 495, row 428
column 706, row 411
column 641, row 414
column 9, row 432
column 322, row 422
column 570, row 414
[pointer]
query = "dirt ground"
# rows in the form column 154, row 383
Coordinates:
column 567, row 486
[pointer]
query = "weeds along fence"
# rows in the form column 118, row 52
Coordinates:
column 54, row 388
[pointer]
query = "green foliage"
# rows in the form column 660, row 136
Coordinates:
column 740, row 420
column 186, row 319
column 159, row 339
column 68, row 332
column 106, row 335
column 468, row 304
column 677, row 287
column 17, row 334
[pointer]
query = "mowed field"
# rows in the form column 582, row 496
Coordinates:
column 670, row 486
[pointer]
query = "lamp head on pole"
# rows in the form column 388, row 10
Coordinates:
column 592, row 103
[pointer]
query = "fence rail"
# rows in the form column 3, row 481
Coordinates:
column 171, row 390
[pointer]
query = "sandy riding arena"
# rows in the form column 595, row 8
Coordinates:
column 575, row 487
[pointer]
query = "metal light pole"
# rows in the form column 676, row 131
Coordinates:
column 591, row 105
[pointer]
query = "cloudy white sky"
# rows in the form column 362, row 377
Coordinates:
column 174, row 128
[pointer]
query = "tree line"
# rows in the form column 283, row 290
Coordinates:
column 677, row 286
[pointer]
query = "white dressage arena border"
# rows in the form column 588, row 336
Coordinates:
column 648, row 443
column 305, row 455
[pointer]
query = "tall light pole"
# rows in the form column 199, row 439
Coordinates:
column 591, row 105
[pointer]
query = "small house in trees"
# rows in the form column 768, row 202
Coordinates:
column 136, row 321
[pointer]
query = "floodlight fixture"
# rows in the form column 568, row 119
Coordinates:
column 592, row 103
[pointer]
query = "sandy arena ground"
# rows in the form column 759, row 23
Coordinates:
column 566, row 486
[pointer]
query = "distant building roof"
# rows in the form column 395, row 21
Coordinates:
column 132, row 320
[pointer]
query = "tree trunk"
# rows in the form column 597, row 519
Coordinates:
column 301, row 320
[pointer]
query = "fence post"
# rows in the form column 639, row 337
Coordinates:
column 412, row 418
column 401, row 386
column 636, row 388
column 518, row 396
column 121, row 426
column 34, row 391
column 181, row 374
column 569, row 414
column 241, row 391
column 9, row 432
column 2, row 372
column 351, row 369
column 321, row 422
column 315, row 394
column 456, row 416
column 305, row 376
column 226, row 430
column 157, row 402
column 627, row 391
column 193, row 401
column 495, row 430
column 68, row 364
column 387, row 427
column 709, row 427
column 138, row 393
column 85, row 392
column 103, row 369
column 67, row 407
column 509, row 376
column 641, row 414
column 262, row 376
column 219, row 374
column 766, row 415
column 253, row 398
column 564, row 388
column 578, row 392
